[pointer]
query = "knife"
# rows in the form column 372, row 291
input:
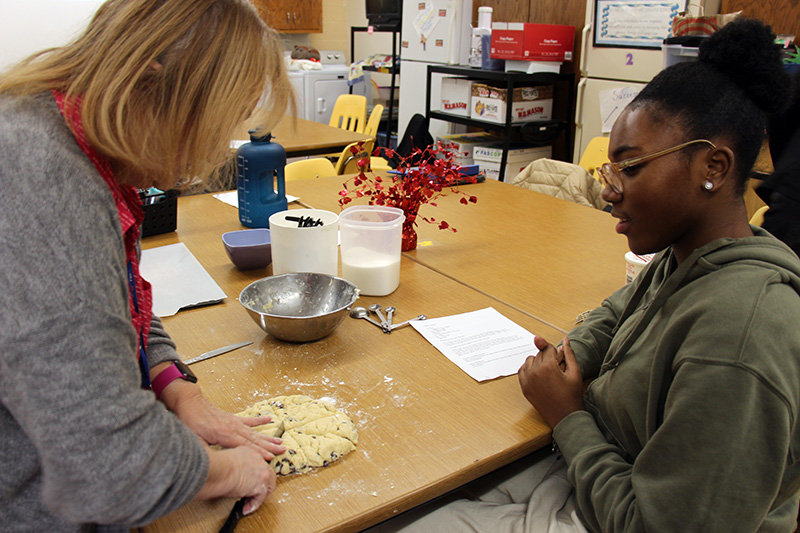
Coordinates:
column 218, row 351
column 233, row 519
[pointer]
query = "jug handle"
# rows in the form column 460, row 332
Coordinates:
column 281, row 183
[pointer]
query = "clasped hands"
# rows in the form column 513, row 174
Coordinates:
column 552, row 381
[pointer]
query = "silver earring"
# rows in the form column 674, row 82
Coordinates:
column 708, row 185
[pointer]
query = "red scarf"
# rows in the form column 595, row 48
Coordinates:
column 131, row 215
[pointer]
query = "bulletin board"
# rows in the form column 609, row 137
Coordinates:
column 634, row 23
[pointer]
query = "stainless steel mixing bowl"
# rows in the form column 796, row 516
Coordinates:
column 299, row 307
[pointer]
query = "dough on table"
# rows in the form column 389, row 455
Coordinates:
column 314, row 432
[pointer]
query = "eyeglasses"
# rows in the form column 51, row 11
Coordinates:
column 611, row 173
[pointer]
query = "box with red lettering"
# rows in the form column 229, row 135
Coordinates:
column 456, row 94
column 527, row 103
column 532, row 42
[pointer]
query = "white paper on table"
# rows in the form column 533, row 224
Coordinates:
column 232, row 198
column 484, row 344
column 179, row 280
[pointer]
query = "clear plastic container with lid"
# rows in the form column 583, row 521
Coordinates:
column 371, row 236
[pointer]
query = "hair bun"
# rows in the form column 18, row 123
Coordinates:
column 745, row 50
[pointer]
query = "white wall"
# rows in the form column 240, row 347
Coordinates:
column 28, row 26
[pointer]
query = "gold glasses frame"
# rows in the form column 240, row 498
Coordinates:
column 610, row 173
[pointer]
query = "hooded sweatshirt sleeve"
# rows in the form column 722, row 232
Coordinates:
column 694, row 428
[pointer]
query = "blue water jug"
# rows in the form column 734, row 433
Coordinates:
column 259, row 165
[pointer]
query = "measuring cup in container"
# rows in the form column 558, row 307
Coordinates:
column 304, row 240
column 371, row 237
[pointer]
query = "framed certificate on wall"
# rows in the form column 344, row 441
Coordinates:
column 634, row 23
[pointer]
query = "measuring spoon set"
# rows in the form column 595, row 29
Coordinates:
column 385, row 323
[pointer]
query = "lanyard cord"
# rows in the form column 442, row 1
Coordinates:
column 143, row 368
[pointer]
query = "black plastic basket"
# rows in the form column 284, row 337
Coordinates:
column 160, row 212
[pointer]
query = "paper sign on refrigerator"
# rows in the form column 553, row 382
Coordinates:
column 612, row 102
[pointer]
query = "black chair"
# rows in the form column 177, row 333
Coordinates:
column 415, row 137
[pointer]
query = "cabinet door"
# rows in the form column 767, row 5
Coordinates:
column 306, row 15
column 782, row 15
column 502, row 10
column 271, row 12
column 291, row 16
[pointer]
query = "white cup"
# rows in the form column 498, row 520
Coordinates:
column 635, row 264
column 371, row 239
column 304, row 249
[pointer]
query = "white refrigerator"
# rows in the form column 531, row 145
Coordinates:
column 620, row 53
column 433, row 32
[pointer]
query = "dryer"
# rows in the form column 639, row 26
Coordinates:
column 298, row 80
column 324, row 85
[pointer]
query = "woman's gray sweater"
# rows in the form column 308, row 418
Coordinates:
column 82, row 443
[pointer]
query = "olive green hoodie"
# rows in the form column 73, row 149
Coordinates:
column 691, row 420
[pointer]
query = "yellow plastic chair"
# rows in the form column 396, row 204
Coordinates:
column 378, row 164
column 316, row 167
column 595, row 155
column 347, row 163
column 371, row 128
column 758, row 217
column 349, row 112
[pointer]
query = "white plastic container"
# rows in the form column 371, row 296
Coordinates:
column 676, row 53
column 304, row 249
column 371, row 236
column 484, row 28
column 634, row 264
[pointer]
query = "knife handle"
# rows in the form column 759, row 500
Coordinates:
column 233, row 518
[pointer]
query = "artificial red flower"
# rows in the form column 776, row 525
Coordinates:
column 433, row 176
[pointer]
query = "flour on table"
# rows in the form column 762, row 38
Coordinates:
column 314, row 432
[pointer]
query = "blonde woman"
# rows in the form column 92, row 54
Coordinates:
column 149, row 95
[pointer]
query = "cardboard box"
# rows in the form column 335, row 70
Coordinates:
column 456, row 94
column 532, row 42
column 528, row 103
column 519, row 156
column 507, row 40
column 463, row 144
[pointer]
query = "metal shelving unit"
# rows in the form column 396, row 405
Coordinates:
column 395, row 70
column 563, row 100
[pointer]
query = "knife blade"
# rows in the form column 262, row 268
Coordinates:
column 218, row 351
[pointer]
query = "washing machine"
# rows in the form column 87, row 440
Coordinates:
column 298, row 79
column 323, row 86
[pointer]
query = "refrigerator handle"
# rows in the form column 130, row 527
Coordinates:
column 586, row 37
column 579, row 103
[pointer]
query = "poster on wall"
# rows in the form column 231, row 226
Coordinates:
column 634, row 23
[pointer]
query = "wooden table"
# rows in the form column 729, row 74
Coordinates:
column 300, row 137
column 425, row 427
column 549, row 258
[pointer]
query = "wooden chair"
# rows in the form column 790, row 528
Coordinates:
column 315, row 167
column 347, row 163
column 595, row 155
column 371, row 128
column 349, row 112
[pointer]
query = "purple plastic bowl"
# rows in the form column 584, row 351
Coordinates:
column 248, row 248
